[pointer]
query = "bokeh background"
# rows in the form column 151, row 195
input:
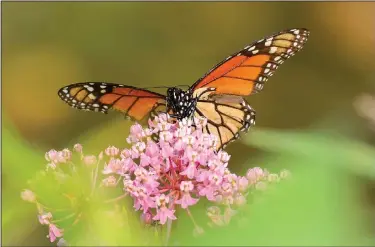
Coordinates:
column 307, row 107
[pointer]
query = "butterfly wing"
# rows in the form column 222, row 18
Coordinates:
column 245, row 72
column 136, row 103
column 226, row 116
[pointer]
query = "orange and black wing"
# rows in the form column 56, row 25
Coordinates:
column 136, row 103
column 245, row 72
column 226, row 115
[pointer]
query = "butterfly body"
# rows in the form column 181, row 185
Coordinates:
column 181, row 103
column 217, row 96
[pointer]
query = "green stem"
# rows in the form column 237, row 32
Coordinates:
column 65, row 218
column 95, row 178
column 169, row 225
column 115, row 199
column 168, row 233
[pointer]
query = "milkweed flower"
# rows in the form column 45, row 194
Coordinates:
column 169, row 165
column 175, row 164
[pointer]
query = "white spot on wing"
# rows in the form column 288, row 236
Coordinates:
column 273, row 49
column 251, row 48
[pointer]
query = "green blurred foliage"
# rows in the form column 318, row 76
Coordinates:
column 46, row 45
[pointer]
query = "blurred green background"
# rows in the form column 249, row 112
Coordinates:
column 46, row 45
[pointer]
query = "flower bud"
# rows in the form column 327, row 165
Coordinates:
column 78, row 148
column 273, row 178
column 109, row 181
column 28, row 195
column 146, row 218
column 66, row 154
column 285, row 174
column 89, row 160
column 239, row 200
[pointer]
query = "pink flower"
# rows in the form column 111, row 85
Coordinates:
column 137, row 149
column 45, row 218
column 166, row 136
column 109, row 181
column 136, row 133
column 78, row 148
column 146, row 178
column 54, row 232
column 145, row 160
column 144, row 201
column 223, row 156
column 243, row 184
column 191, row 171
column 207, row 191
column 186, row 200
column 126, row 153
column 112, row 151
column 66, row 154
column 114, row 166
column 51, row 155
column 254, row 174
column 128, row 166
column 146, row 218
column 56, row 157
column 162, row 212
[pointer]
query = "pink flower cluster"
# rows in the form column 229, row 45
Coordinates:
column 57, row 157
column 179, row 169
column 169, row 165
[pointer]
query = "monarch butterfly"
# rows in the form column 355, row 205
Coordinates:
column 217, row 96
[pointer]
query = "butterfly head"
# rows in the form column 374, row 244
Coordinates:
column 182, row 103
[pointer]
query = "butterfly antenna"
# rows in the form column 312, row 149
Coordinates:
column 183, row 85
column 166, row 86
column 155, row 87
